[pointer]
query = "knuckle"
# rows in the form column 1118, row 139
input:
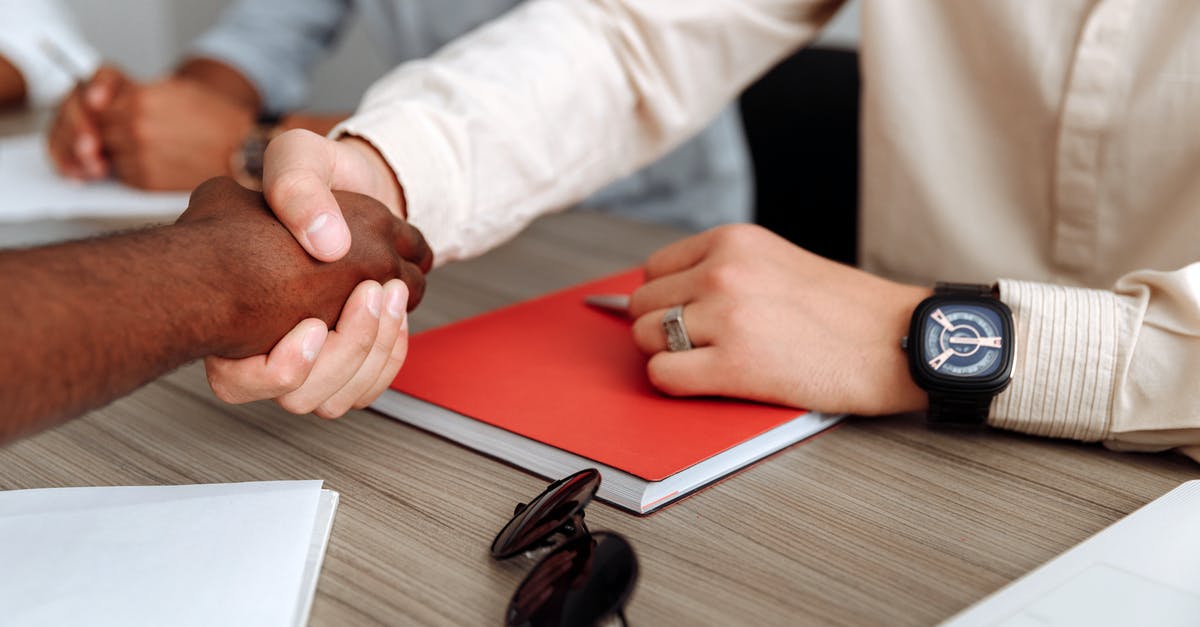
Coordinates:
column 722, row 277
column 738, row 236
column 363, row 340
column 734, row 316
column 221, row 388
column 286, row 379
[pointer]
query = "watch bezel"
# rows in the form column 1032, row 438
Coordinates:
column 933, row 381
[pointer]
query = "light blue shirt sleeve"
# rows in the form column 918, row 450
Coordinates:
column 275, row 45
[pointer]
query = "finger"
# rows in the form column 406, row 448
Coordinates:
column 414, row 280
column 696, row 372
column 700, row 320
column 75, row 143
column 297, row 176
column 411, row 245
column 678, row 256
column 395, row 304
column 102, row 88
column 399, row 351
column 268, row 376
column 344, row 352
column 667, row 290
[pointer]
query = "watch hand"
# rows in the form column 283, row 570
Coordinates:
column 941, row 319
column 987, row 342
column 937, row 362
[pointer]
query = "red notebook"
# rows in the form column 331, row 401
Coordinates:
column 554, row 385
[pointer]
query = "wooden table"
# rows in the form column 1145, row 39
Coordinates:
column 879, row 521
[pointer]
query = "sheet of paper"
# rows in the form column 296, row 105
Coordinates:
column 33, row 191
column 1142, row 570
column 221, row 554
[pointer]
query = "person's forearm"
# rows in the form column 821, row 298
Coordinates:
column 221, row 79
column 12, row 84
column 541, row 107
column 92, row 320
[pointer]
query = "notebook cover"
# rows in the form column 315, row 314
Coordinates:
column 560, row 372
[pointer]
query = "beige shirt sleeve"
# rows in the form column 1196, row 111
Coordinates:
column 539, row 108
column 1114, row 366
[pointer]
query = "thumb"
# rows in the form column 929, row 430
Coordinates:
column 298, row 172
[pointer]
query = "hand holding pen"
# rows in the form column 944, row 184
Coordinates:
column 75, row 140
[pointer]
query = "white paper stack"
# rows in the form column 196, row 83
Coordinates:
column 219, row 554
column 34, row 191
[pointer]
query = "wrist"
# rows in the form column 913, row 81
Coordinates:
column 960, row 351
column 223, row 292
column 905, row 394
column 377, row 173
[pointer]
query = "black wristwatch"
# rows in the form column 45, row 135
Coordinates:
column 246, row 162
column 960, row 350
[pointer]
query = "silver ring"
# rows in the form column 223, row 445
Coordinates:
column 677, row 335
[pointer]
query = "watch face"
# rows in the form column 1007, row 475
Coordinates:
column 963, row 341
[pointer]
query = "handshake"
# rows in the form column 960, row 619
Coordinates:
column 287, row 301
column 298, row 258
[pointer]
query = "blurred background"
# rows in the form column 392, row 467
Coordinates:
column 147, row 36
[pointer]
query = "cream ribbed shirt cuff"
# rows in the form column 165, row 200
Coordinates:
column 1067, row 342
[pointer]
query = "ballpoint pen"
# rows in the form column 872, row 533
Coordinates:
column 616, row 303
column 64, row 61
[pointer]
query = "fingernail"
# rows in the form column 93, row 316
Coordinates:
column 325, row 236
column 397, row 302
column 312, row 343
column 374, row 299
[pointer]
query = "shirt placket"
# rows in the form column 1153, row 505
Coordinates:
column 1097, row 80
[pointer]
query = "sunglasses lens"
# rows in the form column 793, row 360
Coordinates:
column 546, row 514
column 580, row 583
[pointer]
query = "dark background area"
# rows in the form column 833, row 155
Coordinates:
column 801, row 122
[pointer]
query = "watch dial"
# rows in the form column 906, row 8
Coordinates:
column 963, row 341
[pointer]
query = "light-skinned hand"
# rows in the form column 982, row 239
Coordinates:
column 775, row 323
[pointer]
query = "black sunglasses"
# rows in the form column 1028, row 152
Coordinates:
column 587, row 579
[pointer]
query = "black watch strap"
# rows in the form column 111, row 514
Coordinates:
column 962, row 408
column 964, row 289
column 958, row 409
